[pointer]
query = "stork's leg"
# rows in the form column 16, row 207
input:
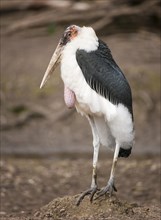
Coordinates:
column 96, row 144
column 110, row 185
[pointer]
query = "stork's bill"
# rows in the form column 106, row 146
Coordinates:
column 55, row 60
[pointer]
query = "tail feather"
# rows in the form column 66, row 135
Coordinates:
column 124, row 152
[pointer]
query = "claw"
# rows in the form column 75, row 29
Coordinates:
column 114, row 187
column 90, row 192
column 106, row 190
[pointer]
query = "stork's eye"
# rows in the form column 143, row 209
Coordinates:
column 69, row 34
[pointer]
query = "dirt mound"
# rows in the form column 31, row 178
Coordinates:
column 104, row 208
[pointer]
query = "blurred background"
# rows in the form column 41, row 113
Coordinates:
column 36, row 123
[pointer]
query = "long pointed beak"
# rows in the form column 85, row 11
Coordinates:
column 55, row 60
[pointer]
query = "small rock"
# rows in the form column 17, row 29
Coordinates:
column 62, row 210
column 49, row 214
column 37, row 214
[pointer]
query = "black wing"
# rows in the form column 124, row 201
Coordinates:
column 104, row 76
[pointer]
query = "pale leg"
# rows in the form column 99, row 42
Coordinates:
column 110, row 185
column 96, row 145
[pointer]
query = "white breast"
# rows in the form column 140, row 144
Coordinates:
column 88, row 101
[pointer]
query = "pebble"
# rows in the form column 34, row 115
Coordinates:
column 62, row 210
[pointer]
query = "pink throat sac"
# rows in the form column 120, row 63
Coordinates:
column 69, row 97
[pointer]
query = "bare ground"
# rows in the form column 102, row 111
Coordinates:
column 28, row 184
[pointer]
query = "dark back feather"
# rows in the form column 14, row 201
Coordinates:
column 104, row 76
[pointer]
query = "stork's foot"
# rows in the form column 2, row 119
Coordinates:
column 92, row 191
column 107, row 189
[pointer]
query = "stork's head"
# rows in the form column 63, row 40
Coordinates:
column 78, row 37
column 69, row 34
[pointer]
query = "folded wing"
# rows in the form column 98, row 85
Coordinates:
column 104, row 76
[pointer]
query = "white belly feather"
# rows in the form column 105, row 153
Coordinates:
column 89, row 102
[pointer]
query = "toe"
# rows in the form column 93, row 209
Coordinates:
column 87, row 192
column 93, row 193
column 106, row 190
column 90, row 192
column 100, row 193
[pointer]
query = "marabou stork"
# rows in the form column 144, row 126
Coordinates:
column 98, row 89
